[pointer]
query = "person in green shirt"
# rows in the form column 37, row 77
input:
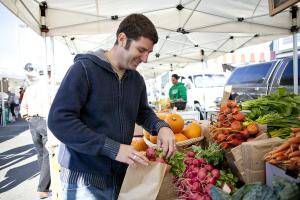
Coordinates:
column 177, row 93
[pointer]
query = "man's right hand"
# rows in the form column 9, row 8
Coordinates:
column 128, row 154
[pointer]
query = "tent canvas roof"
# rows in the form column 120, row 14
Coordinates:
column 185, row 26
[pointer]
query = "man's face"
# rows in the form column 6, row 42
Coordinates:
column 137, row 52
column 174, row 80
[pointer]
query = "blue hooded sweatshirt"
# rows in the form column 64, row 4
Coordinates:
column 93, row 113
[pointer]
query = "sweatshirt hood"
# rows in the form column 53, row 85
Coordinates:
column 96, row 57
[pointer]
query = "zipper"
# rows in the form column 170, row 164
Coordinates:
column 119, row 107
column 120, row 88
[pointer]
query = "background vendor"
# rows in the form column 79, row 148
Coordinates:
column 177, row 93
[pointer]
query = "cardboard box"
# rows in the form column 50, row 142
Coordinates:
column 272, row 170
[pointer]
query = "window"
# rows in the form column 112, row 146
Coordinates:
column 209, row 80
column 287, row 77
column 250, row 74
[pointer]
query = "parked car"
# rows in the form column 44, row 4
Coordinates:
column 255, row 80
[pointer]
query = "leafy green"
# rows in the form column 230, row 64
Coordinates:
column 213, row 154
column 177, row 164
column 175, row 161
column 282, row 190
column 226, row 176
column 285, row 189
column 278, row 110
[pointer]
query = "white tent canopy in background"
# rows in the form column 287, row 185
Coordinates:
column 185, row 26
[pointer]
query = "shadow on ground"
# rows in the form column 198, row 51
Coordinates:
column 16, row 155
column 18, row 175
column 13, row 129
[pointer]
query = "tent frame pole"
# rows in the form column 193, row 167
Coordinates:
column 294, row 30
column 3, row 122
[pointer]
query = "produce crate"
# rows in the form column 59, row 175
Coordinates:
column 272, row 170
column 180, row 145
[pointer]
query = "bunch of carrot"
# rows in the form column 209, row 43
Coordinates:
column 287, row 154
column 229, row 130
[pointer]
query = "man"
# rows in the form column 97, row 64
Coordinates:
column 177, row 93
column 95, row 110
column 34, row 108
column 12, row 103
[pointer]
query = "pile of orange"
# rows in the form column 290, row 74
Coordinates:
column 176, row 123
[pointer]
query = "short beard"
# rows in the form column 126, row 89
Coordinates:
column 128, row 43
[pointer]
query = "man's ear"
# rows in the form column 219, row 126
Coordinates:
column 122, row 39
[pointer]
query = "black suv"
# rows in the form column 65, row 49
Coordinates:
column 252, row 81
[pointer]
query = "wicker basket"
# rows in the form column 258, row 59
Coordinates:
column 181, row 144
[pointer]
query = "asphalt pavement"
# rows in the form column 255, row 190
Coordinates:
column 18, row 163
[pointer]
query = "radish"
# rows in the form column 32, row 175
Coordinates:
column 202, row 173
column 160, row 160
column 215, row 173
column 211, row 180
column 207, row 188
column 221, row 118
column 236, row 125
column 221, row 137
column 194, row 196
column 190, row 154
column 150, row 154
column 195, row 187
column 232, row 104
column 239, row 116
column 226, row 132
column 235, row 110
column 209, row 167
column 252, row 128
column 225, row 145
column 188, row 161
column 229, row 116
column 245, row 133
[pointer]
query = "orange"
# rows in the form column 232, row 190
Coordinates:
column 180, row 137
column 139, row 144
column 175, row 122
column 146, row 134
column 193, row 130
column 153, row 139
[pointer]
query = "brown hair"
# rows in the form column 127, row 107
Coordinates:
column 135, row 26
column 175, row 76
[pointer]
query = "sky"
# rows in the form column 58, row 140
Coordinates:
column 20, row 45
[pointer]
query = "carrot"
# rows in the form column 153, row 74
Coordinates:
column 296, row 134
column 282, row 147
column 273, row 161
column 281, row 158
column 294, row 140
column 294, row 130
column 296, row 159
column 294, row 147
column 278, row 154
column 294, row 154
column 288, row 152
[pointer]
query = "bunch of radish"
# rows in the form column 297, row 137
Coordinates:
column 175, row 161
column 229, row 130
column 197, row 179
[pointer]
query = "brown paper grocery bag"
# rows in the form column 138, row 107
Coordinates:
column 143, row 182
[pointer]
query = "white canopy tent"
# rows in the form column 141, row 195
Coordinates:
column 189, row 30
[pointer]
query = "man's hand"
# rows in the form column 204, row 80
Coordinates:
column 128, row 154
column 166, row 140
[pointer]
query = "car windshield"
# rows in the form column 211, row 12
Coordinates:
column 250, row 74
column 209, row 80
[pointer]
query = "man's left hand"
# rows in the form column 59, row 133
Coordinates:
column 166, row 140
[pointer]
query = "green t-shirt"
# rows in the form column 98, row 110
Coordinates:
column 177, row 91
